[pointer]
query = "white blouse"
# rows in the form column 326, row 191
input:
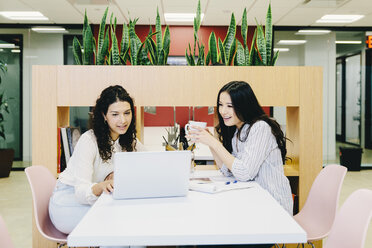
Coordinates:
column 86, row 168
column 259, row 158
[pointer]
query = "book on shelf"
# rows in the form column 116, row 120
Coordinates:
column 73, row 135
column 68, row 138
column 211, row 185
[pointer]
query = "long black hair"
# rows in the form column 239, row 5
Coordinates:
column 101, row 129
column 249, row 111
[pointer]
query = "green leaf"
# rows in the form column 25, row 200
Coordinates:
column 222, row 51
column 261, row 44
column 232, row 52
column 244, row 28
column 213, row 51
column 115, row 48
column 208, row 59
column 104, row 50
column 101, row 32
column 230, row 37
column 240, row 55
column 76, row 50
column 275, row 58
column 150, row 43
column 166, row 44
column 133, row 42
column 251, row 53
column 268, row 35
column 246, row 55
column 86, row 24
column 201, row 57
column 88, row 47
column 159, row 42
column 124, row 44
column 198, row 17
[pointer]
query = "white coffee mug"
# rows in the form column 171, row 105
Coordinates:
column 189, row 125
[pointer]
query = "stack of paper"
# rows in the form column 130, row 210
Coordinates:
column 208, row 185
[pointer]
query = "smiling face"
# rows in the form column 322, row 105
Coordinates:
column 118, row 118
column 227, row 112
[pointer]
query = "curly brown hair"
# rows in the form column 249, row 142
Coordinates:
column 101, row 129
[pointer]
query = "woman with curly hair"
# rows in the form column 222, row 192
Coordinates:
column 89, row 170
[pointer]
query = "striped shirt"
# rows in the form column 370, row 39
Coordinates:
column 258, row 158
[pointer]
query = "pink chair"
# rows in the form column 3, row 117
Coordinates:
column 42, row 184
column 317, row 215
column 351, row 223
column 5, row 241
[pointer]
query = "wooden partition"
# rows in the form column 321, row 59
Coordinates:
column 299, row 89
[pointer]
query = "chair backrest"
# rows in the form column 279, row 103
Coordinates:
column 321, row 204
column 351, row 222
column 42, row 184
column 5, row 241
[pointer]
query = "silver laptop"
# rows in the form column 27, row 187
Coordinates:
column 151, row 174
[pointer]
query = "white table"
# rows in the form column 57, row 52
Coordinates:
column 245, row 216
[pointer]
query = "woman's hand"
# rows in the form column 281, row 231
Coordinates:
column 110, row 176
column 202, row 135
column 105, row 186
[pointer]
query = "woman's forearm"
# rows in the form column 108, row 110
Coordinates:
column 223, row 156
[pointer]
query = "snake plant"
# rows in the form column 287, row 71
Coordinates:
column 159, row 51
column 191, row 55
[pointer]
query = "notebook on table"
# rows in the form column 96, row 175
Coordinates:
column 151, row 174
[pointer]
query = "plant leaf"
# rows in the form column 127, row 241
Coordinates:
column 88, row 47
column 208, row 58
column 166, row 44
column 240, row 55
column 232, row 52
column 244, row 28
column 101, row 32
column 275, row 58
column 124, row 44
column 222, row 51
column 252, row 51
column 261, row 44
column 159, row 42
column 230, row 38
column 213, row 51
column 133, row 42
column 76, row 50
column 104, row 50
column 268, row 35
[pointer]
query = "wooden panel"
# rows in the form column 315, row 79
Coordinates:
column 175, row 85
column 44, row 131
column 55, row 88
column 311, row 125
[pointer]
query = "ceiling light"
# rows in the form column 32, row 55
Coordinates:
column 339, row 18
column 24, row 15
column 181, row 17
column 15, row 51
column 281, row 49
column 7, row 45
column 348, row 42
column 291, row 42
column 312, row 32
column 1, row 50
column 49, row 29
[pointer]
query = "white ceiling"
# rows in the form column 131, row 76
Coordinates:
column 217, row 12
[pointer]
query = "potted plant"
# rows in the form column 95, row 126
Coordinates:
column 6, row 155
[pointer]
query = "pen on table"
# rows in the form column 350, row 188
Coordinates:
column 228, row 182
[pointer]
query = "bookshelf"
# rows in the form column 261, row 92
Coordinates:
column 299, row 89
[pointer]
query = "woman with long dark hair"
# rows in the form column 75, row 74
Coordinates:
column 89, row 170
column 250, row 145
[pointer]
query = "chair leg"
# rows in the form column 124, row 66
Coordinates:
column 312, row 245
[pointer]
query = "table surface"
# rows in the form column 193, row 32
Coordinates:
column 244, row 216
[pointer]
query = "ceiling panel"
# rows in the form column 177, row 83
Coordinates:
column 217, row 12
column 303, row 16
